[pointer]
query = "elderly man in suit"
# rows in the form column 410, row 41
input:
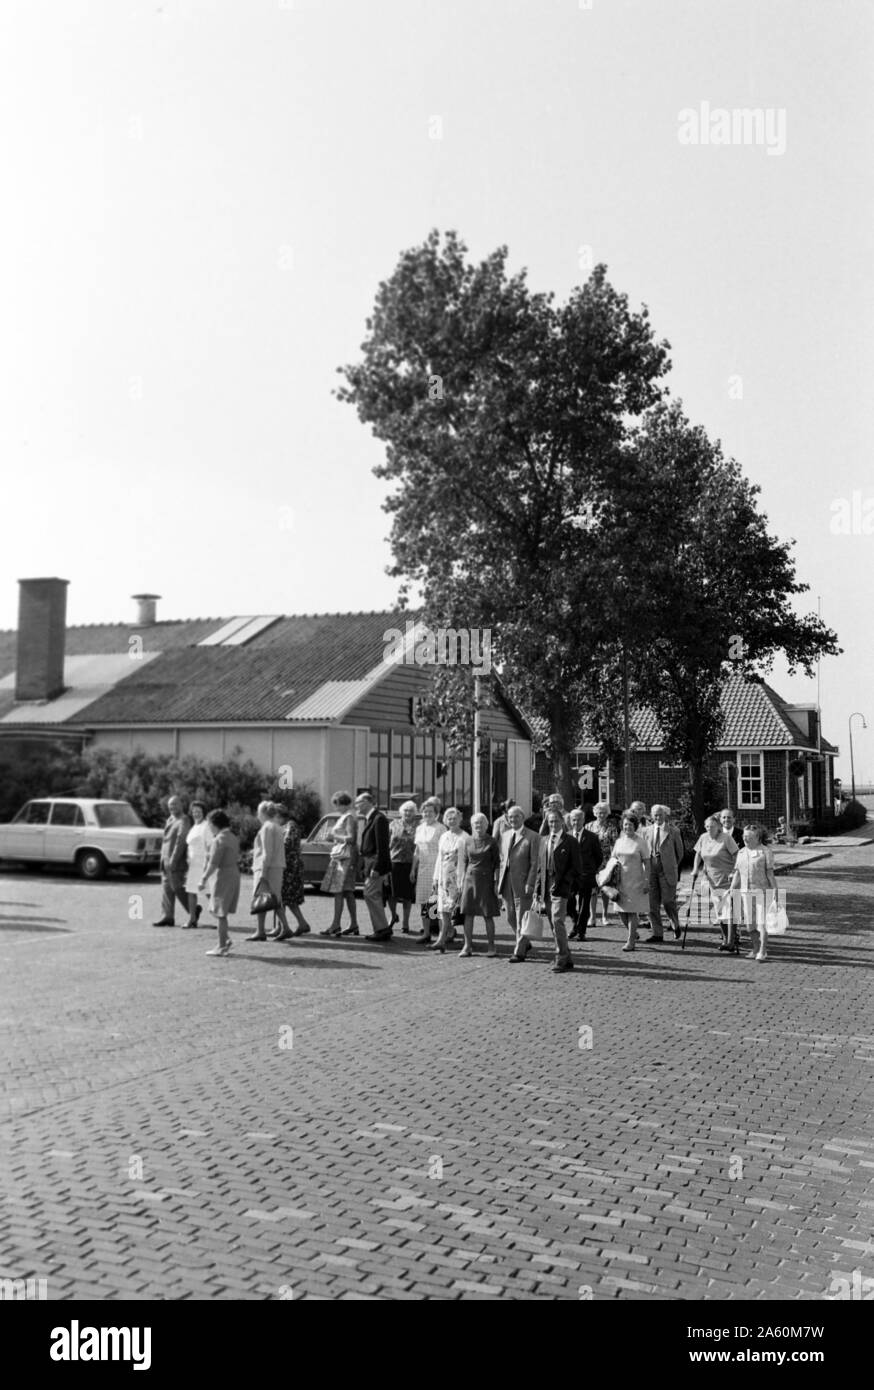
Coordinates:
column 376, row 863
column 517, row 872
column 666, row 855
column 559, row 874
column 174, row 862
column 591, row 859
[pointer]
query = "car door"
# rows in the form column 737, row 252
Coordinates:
column 64, row 832
column 25, row 837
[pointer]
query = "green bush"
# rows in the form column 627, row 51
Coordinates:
column 146, row 780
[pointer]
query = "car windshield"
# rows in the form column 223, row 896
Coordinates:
column 112, row 814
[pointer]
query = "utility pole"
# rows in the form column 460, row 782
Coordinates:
column 476, row 741
column 626, row 722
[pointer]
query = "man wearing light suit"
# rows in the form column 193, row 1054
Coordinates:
column 666, row 855
column 520, row 848
column 174, row 860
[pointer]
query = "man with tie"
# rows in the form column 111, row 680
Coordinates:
column 518, row 868
column 591, row 858
column 376, row 863
column 559, row 874
column 666, row 856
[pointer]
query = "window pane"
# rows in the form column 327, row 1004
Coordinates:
column 64, row 813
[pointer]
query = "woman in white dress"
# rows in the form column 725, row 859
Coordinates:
column 199, row 840
column 429, row 833
column 631, row 850
column 447, row 876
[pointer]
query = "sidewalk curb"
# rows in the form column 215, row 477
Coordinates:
column 791, row 864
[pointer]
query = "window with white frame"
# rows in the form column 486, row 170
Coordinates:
column 751, row 780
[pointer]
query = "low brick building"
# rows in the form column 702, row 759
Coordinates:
column 772, row 761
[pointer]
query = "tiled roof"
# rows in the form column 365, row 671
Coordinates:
column 274, row 674
column 112, row 639
column 87, row 678
column 755, row 717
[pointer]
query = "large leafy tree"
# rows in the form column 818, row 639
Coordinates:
column 504, row 416
column 716, row 596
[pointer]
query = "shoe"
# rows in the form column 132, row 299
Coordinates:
column 349, row 931
column 491, row 953
column 394, row 921
column 282, row 936
column 301, row 931
column 629, row 946
column 423, row 939
column 437, row 946
column 760, row 958
column 517, row 960
column 563, row 967
column 219, row 950
column 654, row 939
column 678, row 933
column 405, row 930
column 722, row 946
column 254, row 937
column 164, row 922
column 581, row 936
column 380, row 936
column 465, row 952
column 330, row 931
column 574, row 936
column 189, row 926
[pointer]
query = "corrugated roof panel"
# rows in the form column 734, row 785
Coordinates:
column 331, row 700
column 252, row 627
column 216, row 639
column 88, row 678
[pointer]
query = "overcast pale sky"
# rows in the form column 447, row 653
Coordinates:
column 200, row 199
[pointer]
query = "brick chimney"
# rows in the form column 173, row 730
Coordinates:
column 42, row 630
column 145, row 609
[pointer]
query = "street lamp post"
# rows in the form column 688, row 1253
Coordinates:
column 854, row 715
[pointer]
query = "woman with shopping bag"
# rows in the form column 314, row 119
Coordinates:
column 754, row 890
column 715, row 855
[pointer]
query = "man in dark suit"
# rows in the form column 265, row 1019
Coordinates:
column 376, row 862
column 174, row 862
column 559, row 874
column 520, row 850
column 591, row 858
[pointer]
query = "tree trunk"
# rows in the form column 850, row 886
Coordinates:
column 696, row 781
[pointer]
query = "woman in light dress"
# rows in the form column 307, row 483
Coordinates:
column 631, row 851
column 447, row 877
column 223, row 868
column 342, row 867
column 198, row 840
column 753, row 887
column 715, row 855
column 268, row 865
column 429, row 833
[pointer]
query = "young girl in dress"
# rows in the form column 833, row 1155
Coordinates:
column 753, row 886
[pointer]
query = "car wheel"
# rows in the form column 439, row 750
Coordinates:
column 136, row 871
column 91, row 864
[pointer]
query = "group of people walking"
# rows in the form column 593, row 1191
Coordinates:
column 562, row 870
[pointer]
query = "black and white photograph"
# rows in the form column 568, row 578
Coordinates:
column 436, row 665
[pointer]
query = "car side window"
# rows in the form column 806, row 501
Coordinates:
column 323, row 831
column 65, row 813
column 38, row 813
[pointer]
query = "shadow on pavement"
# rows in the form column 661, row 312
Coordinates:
column 9, row 924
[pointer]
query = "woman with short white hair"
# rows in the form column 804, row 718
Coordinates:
column 268, row 865
column 478, row 860
column 401, row 848
column 715, row 855
column 603, row 827
column 447, row 877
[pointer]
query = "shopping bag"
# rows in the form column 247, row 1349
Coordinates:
column 776, row 920
column 533, row 924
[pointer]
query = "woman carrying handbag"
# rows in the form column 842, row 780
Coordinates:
column 268, row 866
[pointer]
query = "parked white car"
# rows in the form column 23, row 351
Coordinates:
column 94, row 835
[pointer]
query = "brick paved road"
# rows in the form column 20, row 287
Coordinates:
column 435, row 1130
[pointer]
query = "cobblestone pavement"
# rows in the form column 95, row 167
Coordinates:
column 335, row 1119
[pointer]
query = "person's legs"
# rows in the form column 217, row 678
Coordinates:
column 629, row 920
column 334, row 928
column 584, row 909
column 446, row 932
column 557, row 914
column 224, row 938
column 259, row 933
column 168, row 897
column 513, row 918
column 193, row 912
column 523, row 946
column 467, row 948
column 375, row 905
column 406, row 908
column 179, row 890
column 490, row 936
column 655, row 902
column 669, row 902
